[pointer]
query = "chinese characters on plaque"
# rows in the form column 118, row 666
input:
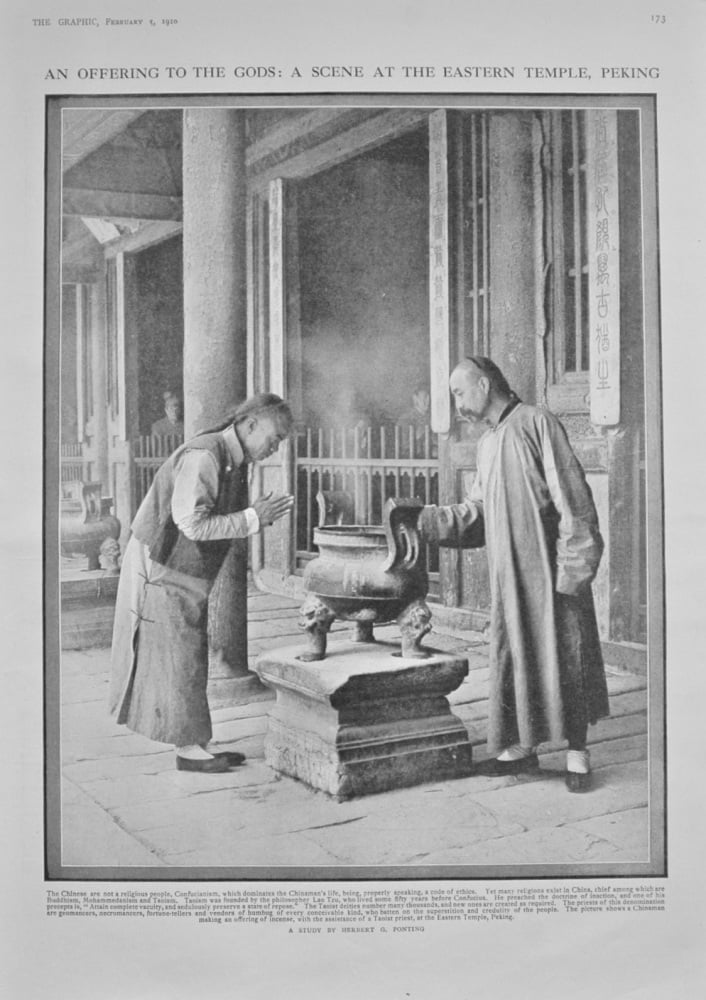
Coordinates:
column 603, row 265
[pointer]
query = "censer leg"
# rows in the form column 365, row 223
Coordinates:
column 363, row 632
column 414, row 623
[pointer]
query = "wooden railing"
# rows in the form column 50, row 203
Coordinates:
column 371, row 464
column 72, row 464
column 148, row 453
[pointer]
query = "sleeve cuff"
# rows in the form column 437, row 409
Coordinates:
column 252, row 520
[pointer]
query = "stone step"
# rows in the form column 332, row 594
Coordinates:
column 87, row 628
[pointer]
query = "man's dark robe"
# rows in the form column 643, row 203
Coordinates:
column 159, row 654
column 532, row 504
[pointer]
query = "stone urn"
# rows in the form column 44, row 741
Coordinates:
column 367, row 574
column 87, row 523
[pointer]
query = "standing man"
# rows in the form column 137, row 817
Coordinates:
column 418, row 417
column 171, row 423
column 532, row 507
column 181, row 534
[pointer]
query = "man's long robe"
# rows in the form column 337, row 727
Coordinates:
column 531, row 503
column 159, row 655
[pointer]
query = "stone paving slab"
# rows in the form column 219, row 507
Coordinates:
column 83, row 771
column 89, row 718
column 618, row 838
column 91, row 690
column 84, row 662
column 74, row 748
column 272, row 602
column 574, row 845
column 209, row 820
column 91, row 837
column 284, row 851
column 628, row 831
column 284, row 614
column 474, row 687
column 230, row 736
column 264, row 638
column 233, row 734
column 268, row 629
column 194, row 826
column 126, row 804
column 198, row 808
column 154, row 788
column 545, row 801
column 220, row 716
column 224, row 831
column 373, row 842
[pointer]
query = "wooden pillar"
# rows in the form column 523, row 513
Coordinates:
column 513, row 249
column 215, row 318
column 274, row 554
column 439, row 281
column 440, row 225
column 98, row 334
column 215, row 345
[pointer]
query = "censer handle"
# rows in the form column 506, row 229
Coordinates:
column 404, row 546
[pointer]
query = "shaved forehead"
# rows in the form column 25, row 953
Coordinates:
column 467, row 370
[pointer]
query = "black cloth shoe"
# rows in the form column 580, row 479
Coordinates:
column 234, row 758
column 519, row 766
column 576, row 782
column 209, row 765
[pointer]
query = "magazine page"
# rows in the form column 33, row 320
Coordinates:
column 351, row 514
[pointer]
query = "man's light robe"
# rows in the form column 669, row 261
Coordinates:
column 532, row 506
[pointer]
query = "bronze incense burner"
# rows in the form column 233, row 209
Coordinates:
column 367, row 574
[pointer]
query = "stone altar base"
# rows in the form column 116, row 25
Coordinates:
column 364, row 720
column 87, row 608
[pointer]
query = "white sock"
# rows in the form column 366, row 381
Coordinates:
column 578, row 761
column 516, row 752
column 193, row 752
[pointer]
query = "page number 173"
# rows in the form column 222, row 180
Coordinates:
column 658, row 18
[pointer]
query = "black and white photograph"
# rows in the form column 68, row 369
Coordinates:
column 360, row 488
column 352, row 501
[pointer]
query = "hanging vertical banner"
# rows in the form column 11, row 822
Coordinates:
column 439, row 313
column 277, row 287
column 603, row 236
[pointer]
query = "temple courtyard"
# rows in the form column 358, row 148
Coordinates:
column 125, row 807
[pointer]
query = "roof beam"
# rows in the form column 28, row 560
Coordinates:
column 120, row 205
column 86, row 129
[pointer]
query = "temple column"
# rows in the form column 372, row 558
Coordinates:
column 99, row 437
column 215, row 341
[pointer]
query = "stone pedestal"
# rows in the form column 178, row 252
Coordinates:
column 364, row 720
column 87, row 609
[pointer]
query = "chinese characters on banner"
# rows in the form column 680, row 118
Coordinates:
column 439, row 271
column 603, row 265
